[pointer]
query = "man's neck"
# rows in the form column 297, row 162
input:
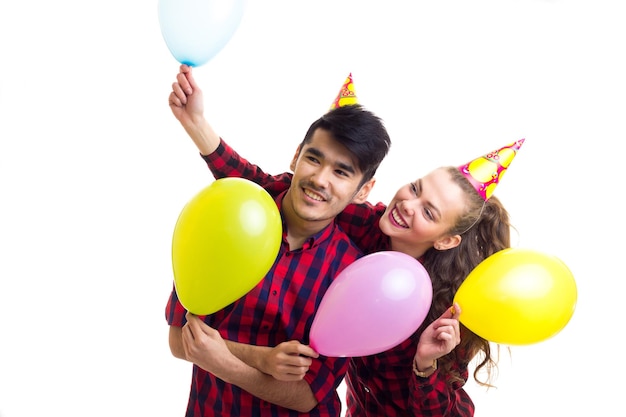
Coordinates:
column 299, row 230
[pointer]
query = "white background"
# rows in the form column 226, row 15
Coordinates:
column 94, row 171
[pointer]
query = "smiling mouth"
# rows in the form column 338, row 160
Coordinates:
column 397, row 219
column 312, row 195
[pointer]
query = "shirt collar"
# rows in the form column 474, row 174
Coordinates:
column 312, row 241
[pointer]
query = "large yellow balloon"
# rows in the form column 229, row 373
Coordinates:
column 225, row 241
column 517, row 297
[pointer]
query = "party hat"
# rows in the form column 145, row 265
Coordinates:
column 346, row 94
column 485, row 172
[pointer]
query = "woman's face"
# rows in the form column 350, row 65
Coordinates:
column 422, row 212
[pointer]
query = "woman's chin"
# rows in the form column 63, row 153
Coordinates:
column 386, row 227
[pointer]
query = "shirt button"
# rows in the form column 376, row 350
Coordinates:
column 274, row 292
column 366, row 389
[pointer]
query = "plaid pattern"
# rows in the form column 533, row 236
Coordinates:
column 383, row 384
column 280, row 308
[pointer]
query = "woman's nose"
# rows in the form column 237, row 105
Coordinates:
column 406, row 207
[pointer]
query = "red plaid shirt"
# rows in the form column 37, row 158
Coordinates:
column 280, row 308
column 383, row 384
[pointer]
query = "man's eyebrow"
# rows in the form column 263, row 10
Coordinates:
column 316, row 152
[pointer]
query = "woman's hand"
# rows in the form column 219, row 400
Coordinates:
column 439, row 339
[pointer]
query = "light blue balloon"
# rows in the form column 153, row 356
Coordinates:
column 196, row 30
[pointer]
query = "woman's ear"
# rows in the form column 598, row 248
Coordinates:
column 448, row 242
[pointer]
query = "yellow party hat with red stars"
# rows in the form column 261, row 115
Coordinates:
column 485, row 172
column 346, row 95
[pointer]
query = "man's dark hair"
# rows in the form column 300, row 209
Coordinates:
column 360, row 131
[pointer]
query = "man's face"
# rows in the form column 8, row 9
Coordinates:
column 326, row 179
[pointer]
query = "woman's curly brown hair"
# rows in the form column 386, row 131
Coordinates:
column 484, row 229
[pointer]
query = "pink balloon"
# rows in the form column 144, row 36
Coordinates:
column 374, row 304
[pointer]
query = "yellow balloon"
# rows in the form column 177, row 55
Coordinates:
column 517, row 297
column 225, row 240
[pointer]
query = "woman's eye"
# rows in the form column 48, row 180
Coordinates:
column 413, row 188
column 428, row 214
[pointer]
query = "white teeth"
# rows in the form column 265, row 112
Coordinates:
column 313, row 196
column 398, row 219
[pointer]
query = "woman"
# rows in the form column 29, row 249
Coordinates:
column 444, row 222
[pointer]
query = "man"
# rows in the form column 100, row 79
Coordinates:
column 333, row 166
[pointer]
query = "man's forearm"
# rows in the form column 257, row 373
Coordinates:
column 249, row 354
column 293, row 395
column 176, row 342
column 203, row 136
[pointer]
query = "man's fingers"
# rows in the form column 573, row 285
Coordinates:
column 191, row 80
column 304, row 350
column 184, row 83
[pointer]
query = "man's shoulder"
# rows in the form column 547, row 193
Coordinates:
column 342, row 242
column 278, row 184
